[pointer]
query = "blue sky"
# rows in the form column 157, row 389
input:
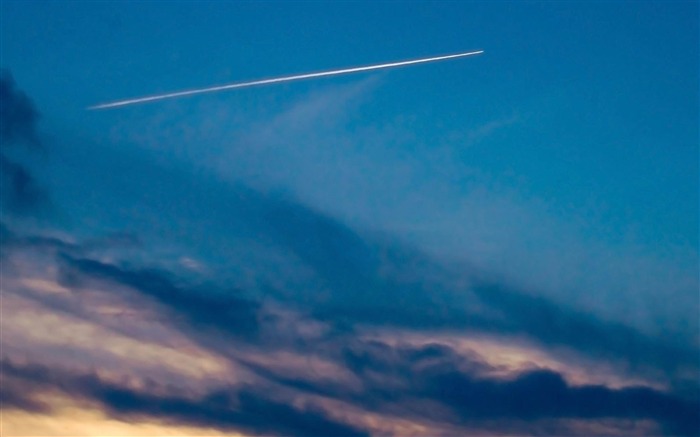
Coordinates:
column 611, row 84
column 556, row 171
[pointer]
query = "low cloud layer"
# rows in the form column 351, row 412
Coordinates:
column 460, row 390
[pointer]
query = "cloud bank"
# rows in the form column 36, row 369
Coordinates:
column 225, row 306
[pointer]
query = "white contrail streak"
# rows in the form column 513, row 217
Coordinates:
column 277, row 80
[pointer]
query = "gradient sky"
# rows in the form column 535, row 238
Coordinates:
column 499, row 244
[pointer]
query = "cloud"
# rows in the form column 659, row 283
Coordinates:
column 222, row 311
column 21, row 193
column 435, row 193
column 435, row 383
column 542, row 393
column 371, row 284
column 379, row 282
column 487, row 129
column 19, row 116
column 426, row 385
column 367, row 281
column 14, row 396
column 244, row 409
column 558, row 326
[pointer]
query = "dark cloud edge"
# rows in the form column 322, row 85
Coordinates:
column 239, row 409
column 20, row 193
column 430, row 371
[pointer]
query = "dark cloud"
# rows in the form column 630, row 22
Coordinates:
column 389, row 284
column 20, row 193
column 392, row 285
column 19, row 116
column 203, row 307
column 372, row 280
column 538, row 394
column 239, row 410
column 399, row 380
column 15, row 396
column 544, row 394
column 225, row 409
column 337, row 253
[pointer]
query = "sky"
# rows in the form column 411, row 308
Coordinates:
column 503, row 244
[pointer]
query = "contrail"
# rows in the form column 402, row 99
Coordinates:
column 277, row 80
